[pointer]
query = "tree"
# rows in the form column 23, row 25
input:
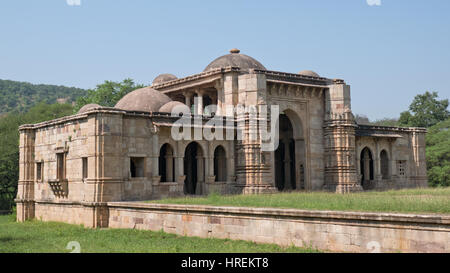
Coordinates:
column 425, row 111
column 21, row 96
column 107, row 93
column 390, row 122
column 438, row 154
column 405, row 119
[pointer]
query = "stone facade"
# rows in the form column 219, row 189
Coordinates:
column 128, row 152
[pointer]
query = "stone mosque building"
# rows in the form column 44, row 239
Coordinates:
column 72, row 166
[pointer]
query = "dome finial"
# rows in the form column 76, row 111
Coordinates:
column 235, row 51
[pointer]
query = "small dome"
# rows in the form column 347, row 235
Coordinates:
column 88, row 107
column 164, row 78
column 309, row 73
column 143, row 100
column 235, row 59
column 177, row 106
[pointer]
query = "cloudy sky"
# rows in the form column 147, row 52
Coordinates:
column 387, row 50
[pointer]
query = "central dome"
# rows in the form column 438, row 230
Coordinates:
column 235, row 59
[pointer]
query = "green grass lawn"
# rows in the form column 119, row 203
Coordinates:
column 40, row 237
column 433, row 200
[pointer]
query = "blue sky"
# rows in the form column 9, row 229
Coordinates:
column 387, row 53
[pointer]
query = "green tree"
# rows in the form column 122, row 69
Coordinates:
column 438, row 154
column 107, row 93
column 390, row 122
column 21, row 96
column 425, row 111
column 9, row 148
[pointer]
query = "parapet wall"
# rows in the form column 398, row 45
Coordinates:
column 326, row 230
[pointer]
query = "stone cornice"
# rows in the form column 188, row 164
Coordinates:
column 391, row 129
column 433, row 219
column 295, row 78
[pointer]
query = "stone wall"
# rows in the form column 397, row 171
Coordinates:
column 88, row 214
column 326, row 230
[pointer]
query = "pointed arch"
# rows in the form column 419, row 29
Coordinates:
column 384, row 165
column 166, row 163
column 220, row 164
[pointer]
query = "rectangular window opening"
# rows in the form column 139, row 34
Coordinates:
column 61, row 166
column 39, row 171
column 85, row 167
column 137, row 167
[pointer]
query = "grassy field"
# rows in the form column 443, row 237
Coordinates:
column 436, row 200
column 41, row 237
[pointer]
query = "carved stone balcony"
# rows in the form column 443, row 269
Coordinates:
column 59, row 187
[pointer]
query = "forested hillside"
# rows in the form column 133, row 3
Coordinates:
column 21, row 96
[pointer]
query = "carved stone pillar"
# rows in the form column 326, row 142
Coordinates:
column 339, row 134
column 199, row 102
column 25, row 192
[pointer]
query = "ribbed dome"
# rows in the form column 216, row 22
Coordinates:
column 164, row 78
column 235, row 59
column 143, row 100
column 174, row 105
column 88, row 107
column 309, row 73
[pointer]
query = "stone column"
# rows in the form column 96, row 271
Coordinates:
column 169, row 168
column 179, row 164
column 200, row 175
column 358, row 166
column 187, row 99
column 156, row 178
column 219, row 97
column 199, row 102
column 366, row 166
column 25, row 188
column 377, row 164
column 392, row 161
column 287, row 165
column 231, row 176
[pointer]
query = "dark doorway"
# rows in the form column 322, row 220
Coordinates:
column 193, row 157
column 384, row 161
column 166, row 164
column 285, row 178
column 366, row 165
column 220, row 164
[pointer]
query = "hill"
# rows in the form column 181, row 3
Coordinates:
column 21, row 96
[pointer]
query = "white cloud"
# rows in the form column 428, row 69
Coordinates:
column 374, row 2
column 73, row 2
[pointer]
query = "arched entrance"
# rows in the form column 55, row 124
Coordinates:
column 220, row 164
column 290, row 155
column 166, row 163
column 384, row 164
column 193, row 168
column 366, row 168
